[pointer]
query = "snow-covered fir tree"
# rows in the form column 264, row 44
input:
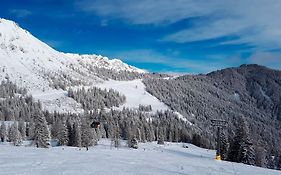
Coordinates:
column 87, row 136
column 14, row 134
column 241, row 148
column 41, row 131
column 77, row 135
column 3, row 132
column 22, row 129
column 62, row 133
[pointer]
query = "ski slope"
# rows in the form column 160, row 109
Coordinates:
column 135, row 94
column 149, row 159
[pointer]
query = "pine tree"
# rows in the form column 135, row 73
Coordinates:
column 63, row 134
column 196, row 139
column 241, row 148
column 86, row 135
column 115, row 140
column 223, row 146
column 247, row 152
column 260, row 157
column 30, row 130
column 41, row 134
column 22, row 129
column 77, row 135
column 3, row 132
column 55, row 129
column 14, row 134
column 160, row 136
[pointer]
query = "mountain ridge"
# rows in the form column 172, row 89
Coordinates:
column 17, row 44
column 46, row 73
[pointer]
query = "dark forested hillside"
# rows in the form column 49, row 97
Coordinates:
column 96, row 98
column 250, row 92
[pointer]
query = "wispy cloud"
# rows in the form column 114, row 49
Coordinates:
column 20, row 13
column 53, row 43
column 190, row 65
column 142, row 56
column 269, row 59
column 250, row 22
column 144, row 11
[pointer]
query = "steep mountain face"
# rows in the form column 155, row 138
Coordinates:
column 250, row 91
column 45, row 72
column 255, row 84
column 31, row 63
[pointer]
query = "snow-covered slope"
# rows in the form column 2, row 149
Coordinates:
column 135, row 94
column 150, row 158
column 32, row 64
column 26, row 60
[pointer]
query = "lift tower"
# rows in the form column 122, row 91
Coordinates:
column 219, row 124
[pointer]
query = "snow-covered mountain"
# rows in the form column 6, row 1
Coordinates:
column 30, row 62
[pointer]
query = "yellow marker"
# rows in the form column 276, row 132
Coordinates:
column 218, row 157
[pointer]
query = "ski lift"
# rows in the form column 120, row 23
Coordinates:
column 95, row 124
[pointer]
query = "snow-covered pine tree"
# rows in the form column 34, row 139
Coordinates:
column 241, row 148
column 30, row 130
column 55, row 129
column 247, row 149
column 160, row 136
column 115, row 140
column 41, row 134
column 233, row 153
column 3, row 132
column 14, row 134
column 77, row 135
column 86, row 135
column 63, row 134
column 22, row 129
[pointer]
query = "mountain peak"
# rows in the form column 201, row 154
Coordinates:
column 32, row 64
column 17, row 42
column 23, row 54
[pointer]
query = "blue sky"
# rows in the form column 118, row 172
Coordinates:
column 180, row 36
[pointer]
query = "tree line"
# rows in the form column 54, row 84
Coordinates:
column 96, row 98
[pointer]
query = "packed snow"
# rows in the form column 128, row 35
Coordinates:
column 135, row 94
column 150, row 158
column 57, row 100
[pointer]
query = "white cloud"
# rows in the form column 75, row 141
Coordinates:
column 251, row 22
column 146, row 11
column 53, row 43
column 20, row 13
column 214, row 62
column 216, row 29
column 143, row 56
column 272, row 60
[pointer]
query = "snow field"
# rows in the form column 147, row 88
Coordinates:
column 135, row 94
column 149, row 159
